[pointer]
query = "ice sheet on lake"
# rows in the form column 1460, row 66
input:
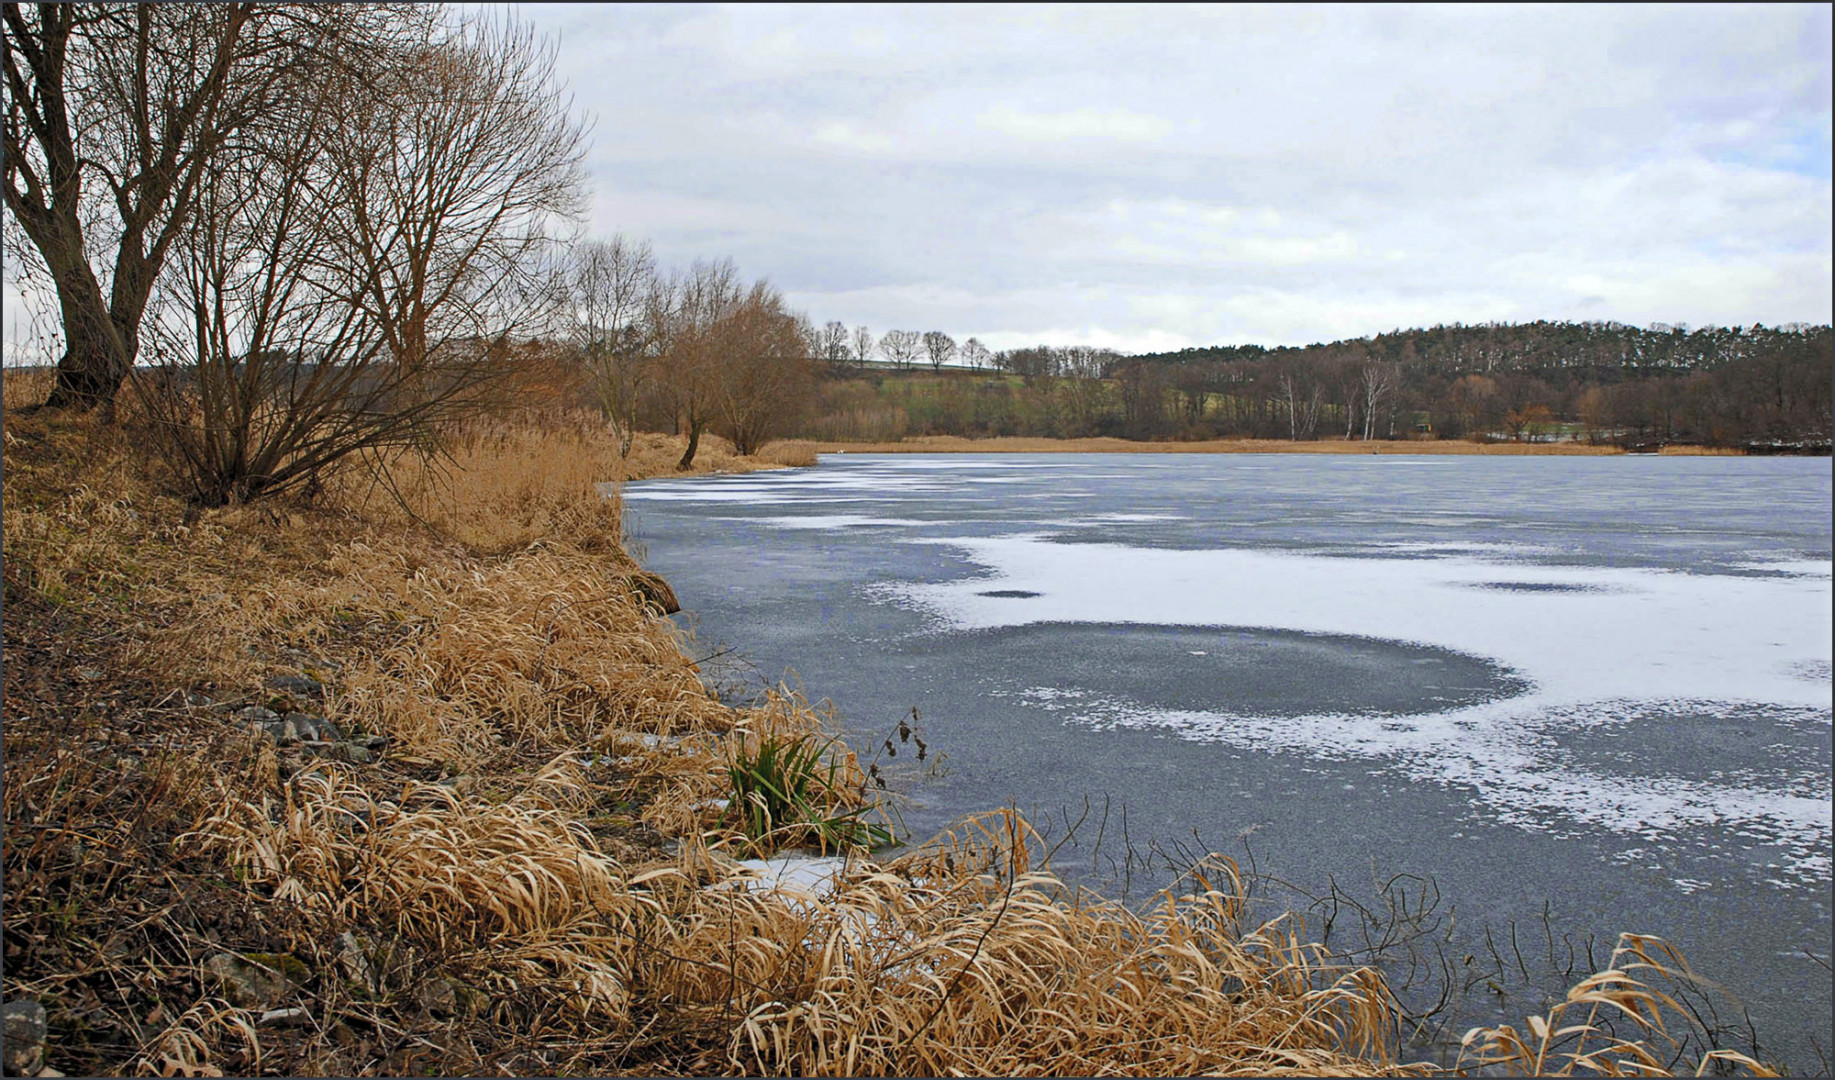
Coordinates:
column 831, row 521
column 1789, row 567
column 889, row 477
column 735, row 495
column 1593, row 643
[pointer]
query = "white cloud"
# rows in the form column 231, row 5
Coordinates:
column 1199, row 174
column 1109, row 125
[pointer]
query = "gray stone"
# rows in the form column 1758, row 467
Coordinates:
column 653, row 592
column 300, row 685
column 314, row 727
column 280, row 732
column 285, row 1018
column 24, row 1031
column 354, row 753
column 260, row 714
column 437, row 996
column 255, row 980
column 354, row 951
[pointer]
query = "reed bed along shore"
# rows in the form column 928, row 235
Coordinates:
column 956, row 444
column 521, row 853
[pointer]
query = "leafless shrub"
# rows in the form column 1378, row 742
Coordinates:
column 348, row 283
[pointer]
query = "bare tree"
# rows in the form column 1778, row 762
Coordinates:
column 940, row 348
column 764, row 376
column 901, row 347
column 1474, row 400
column 460, row 164
column 1036, row 362
column 609, row 301
column 114, row 114
column 688, row 310
column 1083, row 389
column 1301, row 394
column 863, row 345
column 1086, row 362
column 834, row 349
column 1377, row 382
column 321, row 296
column 1596, row 414
column 975, row 354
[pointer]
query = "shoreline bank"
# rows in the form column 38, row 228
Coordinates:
column 956, row 444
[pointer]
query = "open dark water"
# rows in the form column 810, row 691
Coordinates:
column 1579, row 695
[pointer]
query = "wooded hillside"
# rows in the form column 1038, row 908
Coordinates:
column 1759, row 388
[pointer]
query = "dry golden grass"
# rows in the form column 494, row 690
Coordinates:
column 500, row 485
column 26, row 386
column 791, row 452
column 499, row 646
column 654, row 454
column 954, row 444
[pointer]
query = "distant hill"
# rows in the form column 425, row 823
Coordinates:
column 1559, row 350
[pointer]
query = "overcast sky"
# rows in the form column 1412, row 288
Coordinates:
column 1154, row 178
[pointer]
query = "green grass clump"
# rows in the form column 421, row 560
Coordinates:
column 788, row 790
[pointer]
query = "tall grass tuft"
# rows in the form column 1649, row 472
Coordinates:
column 1612, row 1023
column 792, row 790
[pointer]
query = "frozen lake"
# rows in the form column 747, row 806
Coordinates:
column 1582, row 695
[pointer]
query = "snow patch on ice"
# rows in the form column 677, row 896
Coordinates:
column 1623, row 633
column 1506, row 752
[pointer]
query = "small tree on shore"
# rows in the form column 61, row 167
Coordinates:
column 687, row 310
column 765, row 377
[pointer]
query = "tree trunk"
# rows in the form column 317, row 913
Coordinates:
column 96, row 359
column 694, row 443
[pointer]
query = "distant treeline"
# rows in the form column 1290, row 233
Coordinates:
column 1766, row 388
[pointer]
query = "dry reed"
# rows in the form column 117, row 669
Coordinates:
column 23, row 387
